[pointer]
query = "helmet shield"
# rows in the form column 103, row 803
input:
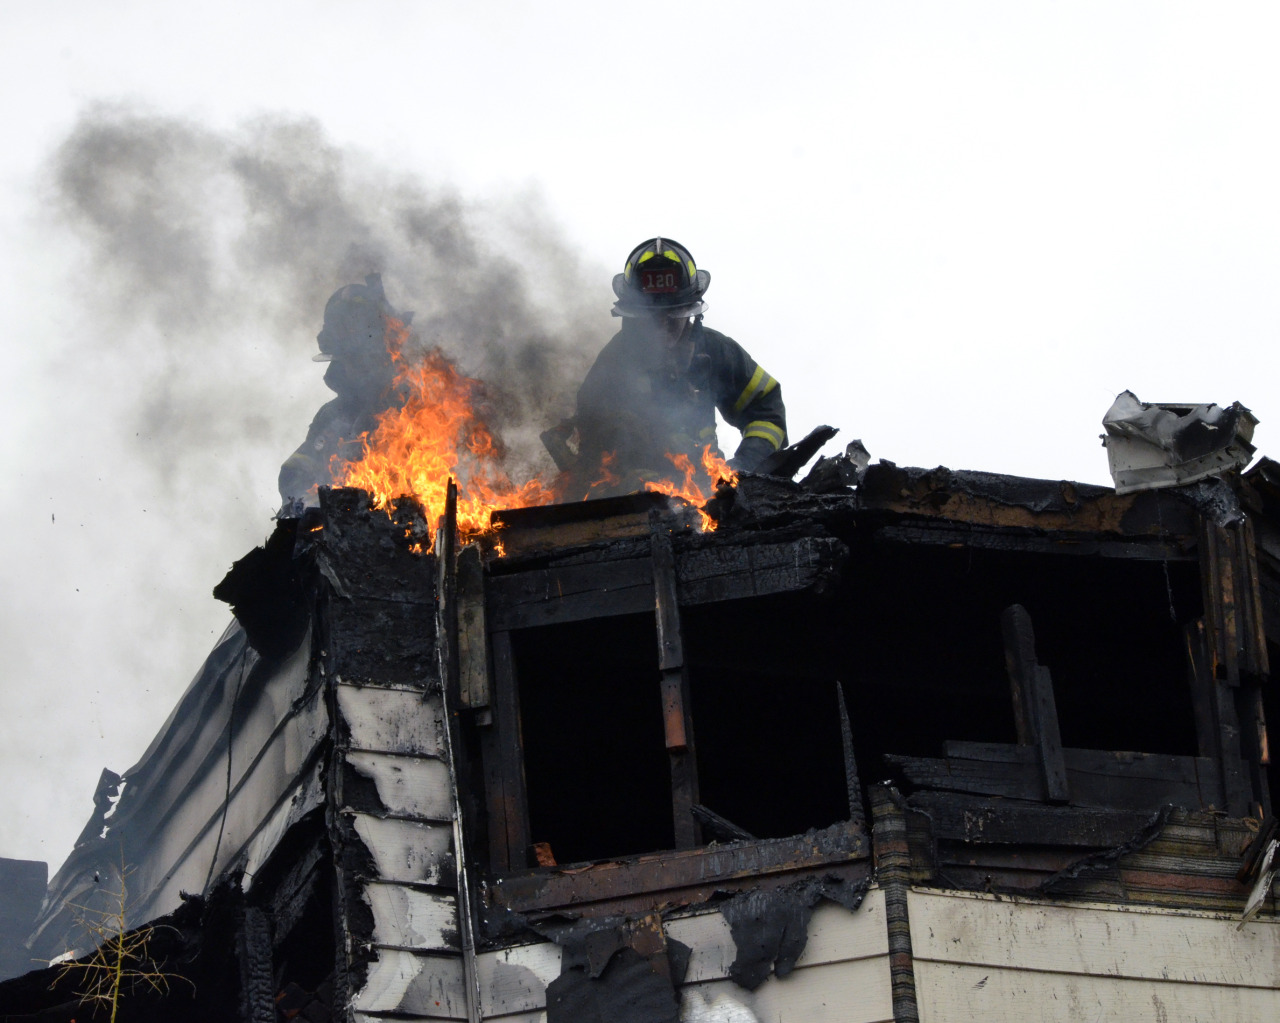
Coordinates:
column 660, row 279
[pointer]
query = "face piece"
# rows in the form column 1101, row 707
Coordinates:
column 668, row 339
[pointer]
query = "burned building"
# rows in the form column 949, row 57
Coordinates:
column 887, row 745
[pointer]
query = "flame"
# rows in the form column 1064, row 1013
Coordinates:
column 715, row 468
column 607, row 477
column 439, row 433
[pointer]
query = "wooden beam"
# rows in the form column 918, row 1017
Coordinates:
column 1223, row 727
column 473, row 637
column 1098, row 778
column 1035, row 713
column 1004, row 822
column 502, row 749
column 674, row 684
column 852, row 784
column 653, row 874
column 598, row 589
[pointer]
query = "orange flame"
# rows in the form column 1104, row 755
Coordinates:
column 717, row 471
column 439, row 433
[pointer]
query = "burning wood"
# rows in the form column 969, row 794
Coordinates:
column 439, row 431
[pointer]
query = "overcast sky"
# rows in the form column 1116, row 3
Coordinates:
column 955, row 230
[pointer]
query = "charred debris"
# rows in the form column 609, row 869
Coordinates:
column 396, row 762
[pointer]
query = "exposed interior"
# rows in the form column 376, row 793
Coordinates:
column 912, row 634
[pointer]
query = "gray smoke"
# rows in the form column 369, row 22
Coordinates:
column 177, row 280
column 212, row 255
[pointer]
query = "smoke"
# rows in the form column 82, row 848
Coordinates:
column 177, row 280
column 211, row 255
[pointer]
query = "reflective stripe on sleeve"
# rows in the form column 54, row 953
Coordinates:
column 760, row 383
column 768, row 431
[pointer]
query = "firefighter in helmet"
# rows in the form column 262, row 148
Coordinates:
column 655, row 387
column 354, row 341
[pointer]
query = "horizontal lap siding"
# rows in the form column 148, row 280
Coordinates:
column 393, row 738
column 983, row 958
column 410, row 852
column 843, row 974
column 391, row 720
column 415, row 787
column 414, row 985
column 951, row 993
column 850, row 992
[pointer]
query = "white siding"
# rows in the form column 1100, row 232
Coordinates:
column 407, row 786
column 392, row 720
column 848, row 992
column 842, row 977
column 407, row 851
column 409, row 918
column 995, row 959
column 430, row 987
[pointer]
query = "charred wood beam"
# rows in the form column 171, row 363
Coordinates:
column 599, row 589
column 1047, row 505
column 502, row 751
column 1221, row 732
column 1097, row 778
column 978, row 819
column 1236, row 652
column 652, row 875
column 1033, row 541
column 473, row 667
column 677, row 721
column 257, row 982
column 853, row 786
column 720, row 828
column 1034, row 710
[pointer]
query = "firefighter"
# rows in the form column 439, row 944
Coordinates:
column 354, row 342
column 655, row 387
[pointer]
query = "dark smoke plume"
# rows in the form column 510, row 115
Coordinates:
column 177, row 281
column 212, row 255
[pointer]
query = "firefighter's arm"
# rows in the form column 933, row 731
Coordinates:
column 752, row 403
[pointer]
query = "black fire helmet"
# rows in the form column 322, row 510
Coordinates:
column 355, row 320
column 660, row 279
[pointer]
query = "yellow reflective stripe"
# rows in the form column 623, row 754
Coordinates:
column 769, row 431
column 648, row 254
column 760, row 383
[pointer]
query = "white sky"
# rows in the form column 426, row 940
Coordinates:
column 955, row 230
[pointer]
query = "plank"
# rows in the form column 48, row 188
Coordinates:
column 853, row 992
column 406, row 786
column 950, row 993
column 1035, row 713
column 1096, row 940
column 581, row 591
column 413, row 983
column 391, row 720
column 406, row 917
column 1003, row 822
column 473, row 667
column 502, row 755
column 514, row 980
column 408, row 851
column 616, row 879
column 1096, row 778
column 674, row 688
